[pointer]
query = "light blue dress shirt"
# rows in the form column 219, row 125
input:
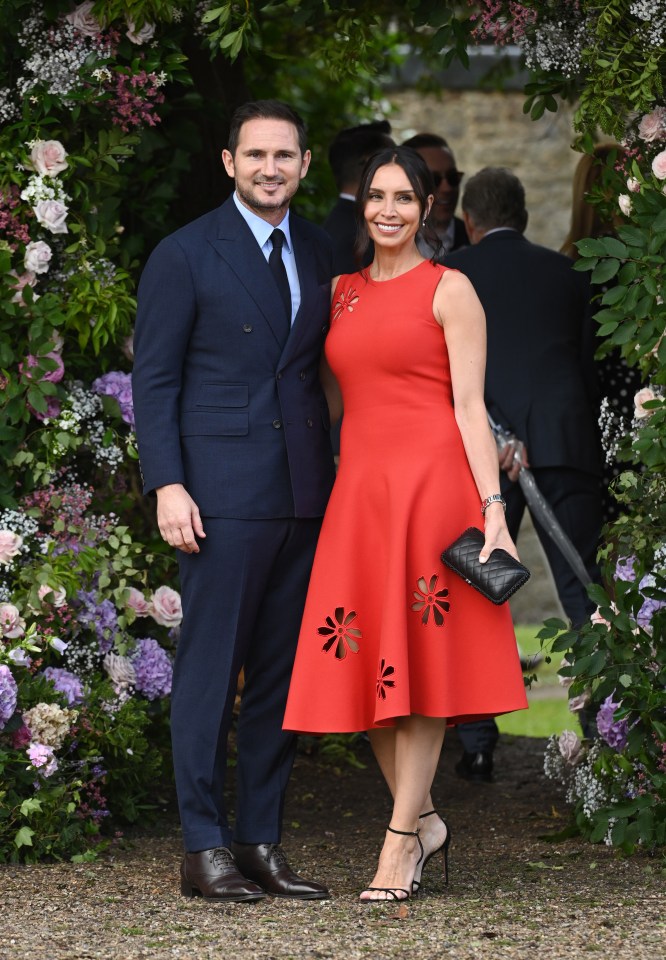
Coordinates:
column 262, row 231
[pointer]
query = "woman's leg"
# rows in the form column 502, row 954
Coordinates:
column 417, row 742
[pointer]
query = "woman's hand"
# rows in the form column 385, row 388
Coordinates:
column 497, row 533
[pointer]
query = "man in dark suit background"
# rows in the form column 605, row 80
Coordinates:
column 347, row 156
column 447, row 178
column 540, row 386
column 233, row 436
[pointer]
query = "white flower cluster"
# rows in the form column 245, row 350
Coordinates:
column 56, row 56
column 653, row 15
column 49, row 724
column 586, row 788
column 44, row 188
column 8, row 109
column 612, row 427
column 82, row 655
column 557, row 45
column 22, row 524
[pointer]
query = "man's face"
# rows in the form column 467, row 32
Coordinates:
column 442, row 165
column 267, row 166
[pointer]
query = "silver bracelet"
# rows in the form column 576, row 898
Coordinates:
column 494, row 498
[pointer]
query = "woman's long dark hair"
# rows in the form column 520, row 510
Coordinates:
column 420, row 179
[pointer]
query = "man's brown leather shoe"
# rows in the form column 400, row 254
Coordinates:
column 213, row 875
column 266, row 864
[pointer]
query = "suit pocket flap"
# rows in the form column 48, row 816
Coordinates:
column 223, row 394
column 209, row 424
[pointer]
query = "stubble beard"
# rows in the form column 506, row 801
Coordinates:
column 255, row 203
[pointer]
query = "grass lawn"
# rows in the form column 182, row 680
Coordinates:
column 548, row 709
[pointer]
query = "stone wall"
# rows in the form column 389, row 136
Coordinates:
column 490, row 129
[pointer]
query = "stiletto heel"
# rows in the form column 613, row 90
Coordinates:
column 394, row 891
column 444, row 847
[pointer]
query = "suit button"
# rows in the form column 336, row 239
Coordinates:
column 309, row 421
column 301, row 375
column 247, row 328
column 279, row 376
column 277, row 424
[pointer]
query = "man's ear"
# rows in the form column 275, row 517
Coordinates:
column 228, row 161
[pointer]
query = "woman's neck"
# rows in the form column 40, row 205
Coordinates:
column 388, row 264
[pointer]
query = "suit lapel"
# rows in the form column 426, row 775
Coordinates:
column 307, row 280
column 234, row 242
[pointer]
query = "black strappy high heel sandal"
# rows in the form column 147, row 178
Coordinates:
column 416, row 883
column 394, row 891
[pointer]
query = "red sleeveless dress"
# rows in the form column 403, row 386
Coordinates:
column 388, row 630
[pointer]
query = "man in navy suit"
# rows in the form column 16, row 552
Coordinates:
column 233, row 436
column 540, row 386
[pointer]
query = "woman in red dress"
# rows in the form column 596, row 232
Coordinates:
column 391, row 641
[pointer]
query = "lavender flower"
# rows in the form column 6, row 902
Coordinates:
column 119, row 386
column 66, row 683
column 614, row 732
column 102, row 616
column 650, row 605
column 8, row 695
column 152, row 668
column 624, row 569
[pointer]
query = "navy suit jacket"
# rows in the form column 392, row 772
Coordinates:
column 340, row 225
column 221, row 406
column 540, row 375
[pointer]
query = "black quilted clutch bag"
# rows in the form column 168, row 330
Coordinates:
column 497, row 579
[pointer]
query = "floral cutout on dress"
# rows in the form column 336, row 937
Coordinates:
column 345, row 301
column 382, row 680
column 428, row 599
column 340, row 631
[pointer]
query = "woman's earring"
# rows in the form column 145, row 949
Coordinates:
column 423, row 222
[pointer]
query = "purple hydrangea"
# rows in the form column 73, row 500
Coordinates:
column 614, row 732
column 8, row 695
column 119, row 386
column 650, row 605
column 153, row 669
column 102, row 616
column 624, row 569
column 66, row 683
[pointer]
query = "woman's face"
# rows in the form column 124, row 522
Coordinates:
column 392, row 211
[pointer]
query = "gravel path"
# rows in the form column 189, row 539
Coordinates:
column 512, row 893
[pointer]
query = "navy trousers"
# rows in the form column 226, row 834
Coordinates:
column 243, row 598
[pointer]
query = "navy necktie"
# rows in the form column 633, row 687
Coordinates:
column 276, row 263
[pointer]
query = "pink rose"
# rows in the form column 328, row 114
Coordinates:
column 138, row 603
column 653, row 125
column 42, row 758
column 643, row 396
column 52, row 411
column 48, row 158
column 27, row 279
column 624, row 203
column 146, row 33
column 659, row 166
column 56, row 596
column 52, row 215
column 579, row 702
column 53, row 376
column 167, row 608
column 12, row 624
column 10, row 546
column 37, row 257
column 570, row 747
column 81, row 18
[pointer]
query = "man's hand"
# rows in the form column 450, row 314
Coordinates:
column 512, row 458
column 178, row 518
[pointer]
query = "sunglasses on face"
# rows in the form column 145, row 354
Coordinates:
column 452, row 177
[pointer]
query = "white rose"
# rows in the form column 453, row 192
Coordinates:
column 146, row 33
column 640, row 398
column 120, row 670
column 659, row 165
column 167, row 608
column 37, row 257
column 633, row 185
column 570, row 747
column 81, row 18
column 48, row 158
column 12, row 624
column 624, row 203
column 10, row 546
column 579, row 702
column 52, row 215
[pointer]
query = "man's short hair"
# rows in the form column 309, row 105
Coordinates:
column 265, row 110
column 423, row 140
column 351, row 148
column 495, row 197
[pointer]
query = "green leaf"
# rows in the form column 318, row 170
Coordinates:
column 24, row 837
column 605, row 270
column 30, row 805
column 615, row 248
